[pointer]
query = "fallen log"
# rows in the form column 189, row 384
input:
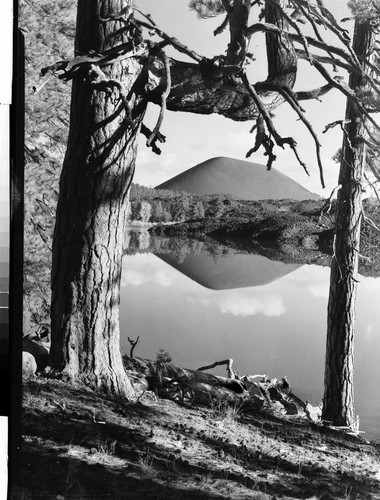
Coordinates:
column 172, row 382
column 168, row 381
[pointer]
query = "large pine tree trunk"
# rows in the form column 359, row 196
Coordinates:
column 91, row 213
column 338, row 401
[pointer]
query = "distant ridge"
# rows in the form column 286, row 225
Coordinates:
column 243, row 179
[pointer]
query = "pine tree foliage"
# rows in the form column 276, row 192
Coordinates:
column 207, row 8
column 49, row 31
column 365, row 10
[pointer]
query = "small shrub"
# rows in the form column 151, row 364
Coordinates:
column 163, row 356
column 225, row 411
column 108, row 447
column 147, row 466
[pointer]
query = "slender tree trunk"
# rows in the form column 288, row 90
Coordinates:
column 338, row 401
column 92, row 209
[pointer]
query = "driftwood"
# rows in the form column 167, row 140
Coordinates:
column 133, row 345
column 168, row 381
column 228, row 362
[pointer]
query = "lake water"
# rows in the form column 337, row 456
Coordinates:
column 268, row 316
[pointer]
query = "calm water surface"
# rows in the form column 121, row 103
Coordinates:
column 268, row 316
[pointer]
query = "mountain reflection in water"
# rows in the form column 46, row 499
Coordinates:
column 234, row 271
column 270, row 317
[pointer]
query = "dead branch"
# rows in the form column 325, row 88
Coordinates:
column 261, row 107
column 42, row 232
column 100, row 80
column 342, row 124
column 374, row 171
column 349, row 56
column 45, row 207
column 373, row 143
column 324, row 60
column 133, row 345
column 158, row 137
column 198, row 387
column 331, row 125
column 314, row 93
column 374, row 188
column 70, row 67
column 308, row 14
column 291, row 98
column 345, row 89
column 272, row 28
column 370, row 222
column 38, row 88
column 262, row 139
column 314, row 23
column 169, row 39
column 164, row 97
column 328, row 204
column 265, row 141
column 228, row 362
column 365, row 258
column 222, row 27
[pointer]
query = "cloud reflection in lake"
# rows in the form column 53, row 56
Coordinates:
column 244, row 303
column 277, row 328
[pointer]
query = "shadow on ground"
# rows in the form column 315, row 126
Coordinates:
column 85, row 445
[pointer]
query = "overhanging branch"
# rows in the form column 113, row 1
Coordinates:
column 291, row 99
column 169, row 39
column 164, row 97
column 314, row 93
column 262, row 138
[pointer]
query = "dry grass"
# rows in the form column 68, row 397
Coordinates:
column 159, row 449
column 147, row 465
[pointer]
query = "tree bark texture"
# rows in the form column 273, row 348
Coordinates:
column 338, row 400
column 92, row 208
column 239, row 38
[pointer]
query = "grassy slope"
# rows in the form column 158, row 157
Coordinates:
column 84, row 445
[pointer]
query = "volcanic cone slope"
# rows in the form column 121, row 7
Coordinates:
column 243, row 179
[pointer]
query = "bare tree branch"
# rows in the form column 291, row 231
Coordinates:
column 375, row 189
column 222, row 27
column 280, row 141
column 314, row 93
column 324, row 60
column 272, row 28
column 158, row 137
column 228, row 362
column 100, row 79
column 133, row 345
column 171, row 40
column 164, row 97
column 369, row 221
column 347, row 91
column 291, row 98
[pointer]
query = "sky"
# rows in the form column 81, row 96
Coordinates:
column 192, row 139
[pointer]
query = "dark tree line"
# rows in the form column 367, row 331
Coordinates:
column 159, row 205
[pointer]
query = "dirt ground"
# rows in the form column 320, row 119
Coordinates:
column 79, row 444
